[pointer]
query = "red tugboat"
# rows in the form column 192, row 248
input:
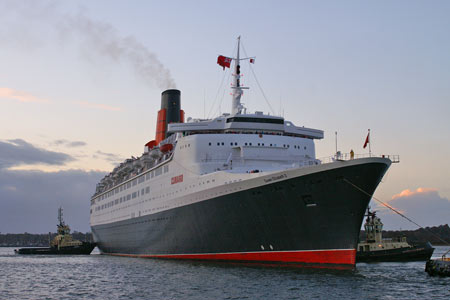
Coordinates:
column 63, row 243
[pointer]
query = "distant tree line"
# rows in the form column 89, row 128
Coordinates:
column 36, row 240
column 413, row 236
column 421, row 235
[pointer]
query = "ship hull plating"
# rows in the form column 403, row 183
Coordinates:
column 310, row 220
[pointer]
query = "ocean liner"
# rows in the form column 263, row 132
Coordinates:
column 241, row 187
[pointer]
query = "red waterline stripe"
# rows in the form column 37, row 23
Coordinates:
column 328, row 257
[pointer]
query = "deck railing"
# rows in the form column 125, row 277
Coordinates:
column 348, row 156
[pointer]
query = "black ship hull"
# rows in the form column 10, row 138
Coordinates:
column 84, row 249
column 310, row 220
column 415, row 253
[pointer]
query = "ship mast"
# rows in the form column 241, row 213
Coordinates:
column 60, row 216
column 237, row 107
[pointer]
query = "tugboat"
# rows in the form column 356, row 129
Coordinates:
column 377, row 249
column 439, row 266
column 63, row 243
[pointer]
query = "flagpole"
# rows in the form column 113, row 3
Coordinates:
column 370, row 150
column 336, row 142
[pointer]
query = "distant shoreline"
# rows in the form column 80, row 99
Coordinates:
column 429, row 234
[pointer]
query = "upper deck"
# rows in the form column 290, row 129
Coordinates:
column 245, row 123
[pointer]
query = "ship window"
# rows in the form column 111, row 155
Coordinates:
column 223, row 143
column 147, row 190
column 259, row 144
column 231, row 143
column 262, row 144
column 255, row 120
column 142, row 192
column 218, row 144
column 235, row 144
column 128, row 196
column 166, row 169
column 158, row 171
column 245, row 144
column 210, row 144
column 117, row 201
column 152, row 174
column 134, row 182
column 128, row 185
column 134, row 195
column 147, row 176
column 250, row 144
column 304, row 147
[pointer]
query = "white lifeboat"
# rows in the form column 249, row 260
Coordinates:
column 155, row 153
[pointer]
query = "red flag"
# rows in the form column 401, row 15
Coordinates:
column 224, row 61
column 252, row 60
column 367, row 141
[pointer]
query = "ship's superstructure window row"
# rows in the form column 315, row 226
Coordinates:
column 134, row 182
column 255, row 120
column 125, row 198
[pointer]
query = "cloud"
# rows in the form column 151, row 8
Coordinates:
column 98, row 106
column 69, row 143
column 114, row 158
column 20, row 96
column 18, row 152
column 30, row 199
column 424, row 206
column 408, row 193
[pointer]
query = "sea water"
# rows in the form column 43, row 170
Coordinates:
column 98, row 276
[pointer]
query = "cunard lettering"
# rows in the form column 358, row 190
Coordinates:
column 177, row 179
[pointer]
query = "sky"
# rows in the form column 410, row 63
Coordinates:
column 80, row 86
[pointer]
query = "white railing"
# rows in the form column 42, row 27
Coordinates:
column 348, row 156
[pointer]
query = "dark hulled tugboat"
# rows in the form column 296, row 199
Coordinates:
column 377, row 249
column 439, row 266
column 63, row 243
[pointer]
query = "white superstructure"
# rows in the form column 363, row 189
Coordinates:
column 205, row 158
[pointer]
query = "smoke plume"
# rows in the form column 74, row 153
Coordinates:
column 18, row 20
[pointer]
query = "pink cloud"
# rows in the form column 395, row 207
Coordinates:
column 409, row 193
column 20, row 96
column 98, row 106
column 423, row 205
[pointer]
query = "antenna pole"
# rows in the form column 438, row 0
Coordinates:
column 370, row 150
